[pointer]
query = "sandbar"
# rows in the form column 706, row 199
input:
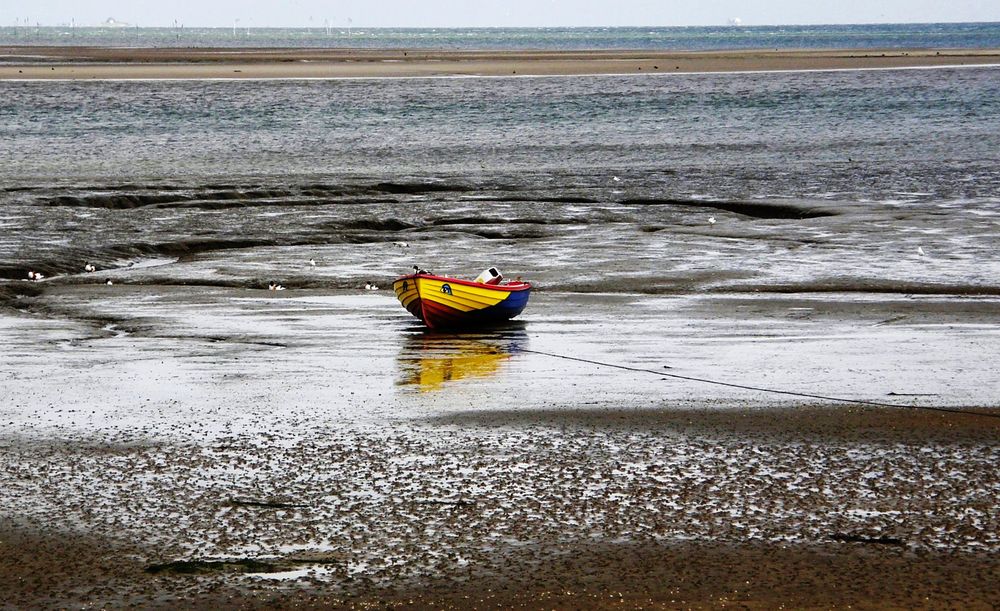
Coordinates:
column 83, row 63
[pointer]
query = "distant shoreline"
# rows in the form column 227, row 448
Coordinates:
column 102, row 63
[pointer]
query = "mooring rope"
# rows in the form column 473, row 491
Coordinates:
column 762, row 389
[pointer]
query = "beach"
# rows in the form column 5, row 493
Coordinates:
column 36, row 62
column 757, row 367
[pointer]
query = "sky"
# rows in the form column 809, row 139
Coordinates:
column 487, row 13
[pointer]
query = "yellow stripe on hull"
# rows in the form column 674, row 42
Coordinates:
column 409, row 294
column 461, row 297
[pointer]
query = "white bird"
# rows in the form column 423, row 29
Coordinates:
column 108, row 282
column 89, row 268
column 402, row 244
column 920, row 251
column 616, row 179
column 312, row 262
column 711, row 220
column 36, row 276
column 368, row 286
column 274, row 286
column 31, row 274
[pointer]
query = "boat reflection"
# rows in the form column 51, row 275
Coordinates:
column 429, row 360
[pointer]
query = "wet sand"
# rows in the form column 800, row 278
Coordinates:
column 42, row 570
column 44, row 564
column 205, row 446
column 30, row 62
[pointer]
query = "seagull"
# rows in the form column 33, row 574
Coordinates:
column 89, row 268
column 108, row 282
column 312, row 262
column 616, row 179
column 274, row 286
column 368, row 286
column 920, row 251
column 402, row 244
column 417, row 270
column 711, row 220
column 36, row 276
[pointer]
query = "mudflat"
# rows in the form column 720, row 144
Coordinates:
column 200, row 446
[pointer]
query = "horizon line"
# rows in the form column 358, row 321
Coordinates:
column 353, row 26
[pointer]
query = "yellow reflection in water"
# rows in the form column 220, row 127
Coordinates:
column 430, row 360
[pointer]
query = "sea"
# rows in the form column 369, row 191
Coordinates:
column 693, row 38
column 867, row 180
column 880, row 180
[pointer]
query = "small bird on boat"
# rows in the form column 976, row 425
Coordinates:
column 89, row 268
column 417, row 270
column 274, row 286
column 711, row 220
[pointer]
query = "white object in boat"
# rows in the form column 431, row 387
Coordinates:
column 489, row 276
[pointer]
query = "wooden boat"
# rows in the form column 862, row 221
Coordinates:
column 447, row 303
